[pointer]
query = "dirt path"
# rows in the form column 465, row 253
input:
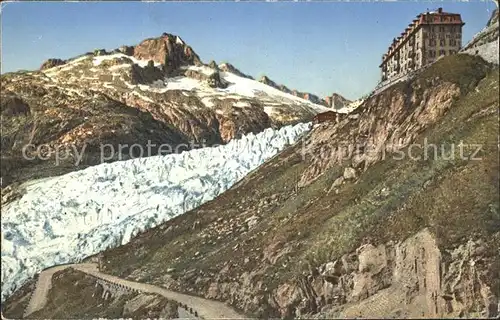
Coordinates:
column 43, row 285
column 208, row 309
column 205, row 308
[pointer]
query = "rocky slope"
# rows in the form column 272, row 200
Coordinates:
column 371, row 233
column 406, row 224
column 486, row 42
column 157, row 91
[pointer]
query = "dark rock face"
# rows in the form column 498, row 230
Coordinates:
column 52, row 63
column 212, row 64
column 494, row 18
column 265, row 80
column 168, row 50
column 313, row 98
column 145, row 75
column 213, row 80
column 100, row 52
column 128, row 50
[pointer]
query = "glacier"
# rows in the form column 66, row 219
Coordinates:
column 67, row 218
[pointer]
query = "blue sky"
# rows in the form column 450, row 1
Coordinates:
column 319, row 47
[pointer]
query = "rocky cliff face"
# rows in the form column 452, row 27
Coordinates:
column 408, row 279
column 168, row 50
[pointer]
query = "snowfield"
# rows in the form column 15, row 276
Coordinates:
column 67, row 218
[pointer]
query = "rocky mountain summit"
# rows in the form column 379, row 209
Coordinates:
column 158, row 91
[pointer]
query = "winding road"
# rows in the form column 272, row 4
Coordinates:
column 205, row 308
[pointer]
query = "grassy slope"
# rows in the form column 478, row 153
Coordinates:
column 300, row 228
column 455, row 198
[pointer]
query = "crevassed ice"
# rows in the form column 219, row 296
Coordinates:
column 66, row 218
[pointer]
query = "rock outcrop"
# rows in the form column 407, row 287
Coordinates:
column 408, row 279
column 227, row 67
column 50, row 63
column 168, row 50
column 336, row 101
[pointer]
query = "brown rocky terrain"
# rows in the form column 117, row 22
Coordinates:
column 372, row 235
column 406, row 225
column 157, row 91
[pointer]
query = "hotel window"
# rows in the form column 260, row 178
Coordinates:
column 432, row 53
column 441, row 43
column 441, row 29
column 432, row 42
column 442, row 52
column 453, row 42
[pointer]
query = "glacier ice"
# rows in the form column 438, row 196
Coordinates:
column 67, row 218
